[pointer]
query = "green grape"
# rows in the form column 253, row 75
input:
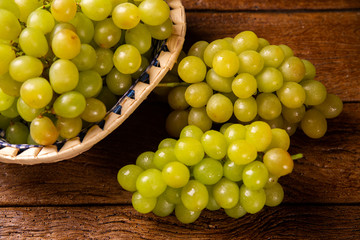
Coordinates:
column 33, row 42
column 194, row 195
column 63, row 76
column 145, row 160
column 69, row 127
column 90, row 83
column 27, row 113
column 219, row 108
column 274, row 195
column 143, row 67
column 291, row 94
column 154, row 12
column 198, row 94
column 175, row 174
column 173, row 195
column 225, row 126
column 236, row 212
column 9, row 86
column 30, row 141
column 234, row 132
column 150, row 183
column 251, row 62
column 272, row 180
column 4, row 122
column 95, row 110
column 70, row 104
column 66, row 44
column 262, row 43
column 143, row 204
column 162, row 31
column 214, row 47
column 10, row 27
column 233, row 171
column 288, row 52
column 276, row 122
column 24, row 67
column 43, row 131
column 104, row 61
column 214, row 144
column 273, row 56
column 269, row 80
column 26, row 7
column 163, row 208
column 36, row 92
column 314, row 123
column 331, row 107
column 192, row 69
column 176, row 121
column 293, row 115
column 167, row 143
column 42, row 20
column 11, row 6
column 185, row 215
column 226, row 63
column 280, row 139
column 106, row 33
column 278, row 162
column 84, row 27
column 63, row 10
column 163, row 156
column 96, row 10
column 58, row 27
column 17, row 133
column 127, row 59
column 208, row 171
column 226, row 193
column 140, row 37
column 310, row 71
column 252, row 200
column 212, row 204
column 163, row 92
column 259, row 135
column 268, row 105
column 292, row 69
column 315, row 92
column 7, row 55
column 189, row 151
column 191, row 131
column 126, row 15
column 197, row 49
column 176, row 98
column 255, row 175
column 290, row 128
column 244, row 85
column 246, row 40
column 241, row 152
column 117, row 82
column 219, row 83
column 107, row 97
column 12, row 111
column 127, row 176
column 199, row 118
column 86, row 59
column 245, row 109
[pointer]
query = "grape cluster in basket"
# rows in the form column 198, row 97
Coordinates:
column 64, row 63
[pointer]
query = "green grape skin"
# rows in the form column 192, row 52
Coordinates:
column 315, row 92
column 290, row 128
column 244, row 85
column 33, row 42
column 36, row 92
column 26, row 7
column 259, row 135
column 273, row 56
column 245, row 109
column 269, row 80
column 145, row 160
column 27, row 113
column 84, row 27
column 224, row 127
column 163, row 156
column 226, row 193
column 104, row 61
column 191, row 131
column 41, row 19
column 176, row 98
column 199, row 118
column 163, row 208
column 86, row 59
column 268, row 106
column 173, row 195
column 236, row 212
column 43, row 131
column 143, row 204
column 17, row 133
column 280, row 139
column 189, row 151
column 126, row 15
column 275, row 123
column 250, row 62
column 12, row 111
column 4, row 122
column 288, row 52
column 7, row 55
column 63, row 10
column 219, row 83
column 214, row 47
column 9, row 86
column 117, row 82
column 331, row 107
column 208, row 171
column 143, row 67
column 150, row 183
column 185, row 215
column 255, row 175
column 107, row 97
column 219, row 108
column 293, row 115
column 127, row 176
column 310, row 70
column 245, row 40
column 291, row 94
column 90, row 83
column 10, row 27
column 140, row 37
column 241, row 152
column 226, row 63
column 272, row 180
column 175, row 122
column 163, row 92
column 66, row 44
column 233, row 171
column 212, row 204
column 96, row 10
column 262, row 43
column 198, row 94
column 175, row 174
column 24, row 67
column 252, row 200
column 154, row 12
column 192, row 69
column 234, row 132
column 293, row 69
column 106, row 33
column 10, row 6
column 278, row 162
column 94, row 111
column 314, row 124
column 167, row 143
column 198, row 48
column 63, row 76
column 69, row 127
column 58, row 27
column 194, row 196
column 274, row 195
column 214, row 144
column 70, row 104
column 127, row 59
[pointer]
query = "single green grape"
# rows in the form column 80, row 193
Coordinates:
column 12, row 111
column 10, row 27
column 269, row 80
column 208, row 171
column 198, row 94
column 191, row 131
column 9, row 86
column 274, row 195
column 17, row 133
column 104, row 61
column 245, row 109
column 255, row 175
column 273, row 56
column 315, row 92
column 310, row 71
column 226, row 63
column 280, row 139
column 185, row 215
column 36, row 92
column 214, row 47
column 233, row 171
column 194, row 196
column 214, row 144
column 219, row 108
column 25, row 67
column 154, row 12
column 66, row 44
column 199, row 118
column 5, row 100
column 189, row 151
column 262, row 43
column 198, row 48
column 84, row 27
column 163, row 208
column 245, row 40
column 176, row 98
column 234, row 132
column 70, row 104
column 163, row 156
column 250, row 62
column 331, row 107
column 293, row 115
column 314, row 123
column 63, row 76
column 175, row 174
column 117, row 82
column 293, row 69
column 42, row 20
column 288, row 52
column 7, row 55
column 241, row 152
column 259, row 135
column 145, row 160
column 127, row 176
column 268, row 106
column 140, row 37
column 176, row 121
column 127, row 59
column 86, row 59
column 277, row 122
column 192, row 69
column 43, row 131
column 126, row 15
column 89, row 84
column 252, row 200
column 150, row 183
column 26, row 112
column 173, row 195
column 167, row 142
column 244, row 85
column 291, row 94
column 226, row 193
column 219, row 83
column 63, row 10
column 69, row 127
column 212, row 204
column 143, row 204
column 94, row 111
column 236, row 212
column 96, row 10
column 33, row 42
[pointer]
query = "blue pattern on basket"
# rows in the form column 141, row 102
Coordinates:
column 160, row 46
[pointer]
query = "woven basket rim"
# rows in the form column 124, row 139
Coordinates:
column 163, row 62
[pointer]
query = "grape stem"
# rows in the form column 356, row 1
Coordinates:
column 173, row 84
column 297, row 156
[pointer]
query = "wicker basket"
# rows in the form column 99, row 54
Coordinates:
column 165, row 58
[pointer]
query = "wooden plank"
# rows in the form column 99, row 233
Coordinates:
column 122, row 222
column 330, row 40
column 274, row 5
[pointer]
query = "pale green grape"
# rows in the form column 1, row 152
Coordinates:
column 96, row 10
column 293, row 115
column 163, row 208
column 331, row 107
column 145, row 160
column 63, row 76
column 127, row 59
column 176, row 98
column 86, row 59
column 163, row 156
column 140, row 37
column 90, row 83
column 241, row 152
column 58, row 27
column 292, row 69
column 212, row 204
column 269, row 80
column 259, row 135
column 273, row 56
column 12, row 111
column 236, row 212
column 36, row 92
column 213, row 48
column 106, row 33
column 219, row 83
column 234, row 132
column 225, row 63
column 24, row 67
column 245, row 109
column 244, row 85
column 33, row 42
column 143, row 204
column 173, row 195
column 43, row 131
column 233, row 171
column 185, row 215
column 26, row 7
column 291, row 94
column 94, row 111
column 66, row 44
column 255, row 175
column 276, row 122
column 199, row 118
column 219, row 108
column 154, row 12
column 226, row 193
column 11, row 6
column 315, row 92
column 262, row 43
column 69, row 127
column 198, row 48
column 7, row 54
column 198, row 94
column 280, row 139
column 175, row 174
column 84, row 27
column 176, row 121
column 10, row 27
column 268, row 106
column 126, row 15
column 70, row 104
column 246, row 40
column 274, row 195
column 288, row 52
column 41, row 19
column 252, row 200
column 251, row 62
column 192, row 69
column 208, row 171
column 63, row 10
column 17, row 133
column 214, row 144
column 150, row 183
column 310, row 71
column 27, row 113
column 314, row 124
column 194, row 195
column 162, row 31
column 167, row 142
column 127, row 176
column 189, row 151
column 104, row 61
column 191, row 131
column 117, row 82
column 9, row 86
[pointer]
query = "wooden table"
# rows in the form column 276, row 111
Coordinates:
column 81, row 199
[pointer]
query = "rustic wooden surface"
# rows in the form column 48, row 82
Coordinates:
column 81, row 199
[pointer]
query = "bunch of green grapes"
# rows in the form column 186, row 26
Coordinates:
column 235, row 169
column 64, row 63
column 245, row 79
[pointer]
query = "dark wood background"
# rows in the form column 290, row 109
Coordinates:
column 81, row 199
